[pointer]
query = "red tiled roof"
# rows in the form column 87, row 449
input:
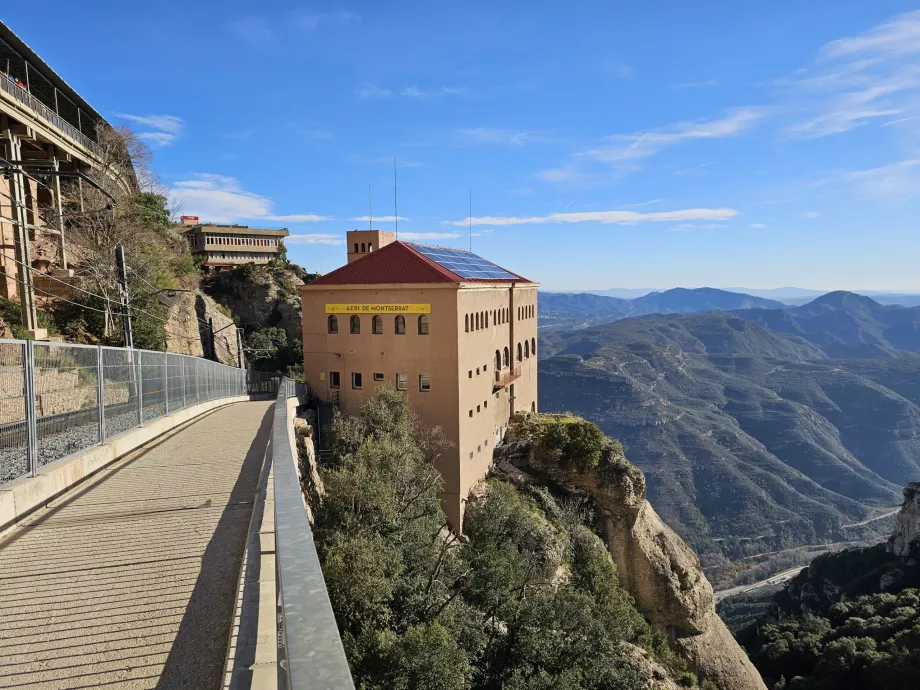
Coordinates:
column 397, row 262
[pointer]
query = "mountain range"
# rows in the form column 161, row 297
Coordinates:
column 759, row 428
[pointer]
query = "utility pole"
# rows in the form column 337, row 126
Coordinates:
column 60, row 212
column 124, row 295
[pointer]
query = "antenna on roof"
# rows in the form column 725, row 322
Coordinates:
column 395, row 207
column 370, row 201
column 471, row 220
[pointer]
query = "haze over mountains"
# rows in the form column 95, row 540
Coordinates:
column 772, row 425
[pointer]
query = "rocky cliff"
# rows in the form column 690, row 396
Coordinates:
column 186, row 334
column 905, row 542
column 264, row 296
column 657, row 568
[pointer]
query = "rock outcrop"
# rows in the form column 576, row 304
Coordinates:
column 310, row 481
column 905, row 542
column 654, row 564
column 187, row 335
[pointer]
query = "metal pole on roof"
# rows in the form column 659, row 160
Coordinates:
column 471, row 220
column 395, row 207
column 370, row 200
column 27, row 77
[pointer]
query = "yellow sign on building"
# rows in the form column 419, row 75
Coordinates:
column 378, row 308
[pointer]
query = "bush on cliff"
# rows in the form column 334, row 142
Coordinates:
column 525, row 600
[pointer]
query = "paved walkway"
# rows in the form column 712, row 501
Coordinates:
column 129, row 582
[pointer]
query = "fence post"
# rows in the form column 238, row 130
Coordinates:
column 140, row 390
column 166, row 380
column 28, row 373
column 100, row 392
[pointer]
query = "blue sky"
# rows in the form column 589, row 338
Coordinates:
column 651, row 145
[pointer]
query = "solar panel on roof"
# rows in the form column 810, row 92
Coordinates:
column 465, row 264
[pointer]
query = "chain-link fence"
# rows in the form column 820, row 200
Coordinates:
column 57, row 399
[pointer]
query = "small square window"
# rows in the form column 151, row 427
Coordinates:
column 402, row 382
column 485, row 404
column 471, row 413
column 356, row 380
column 378, row 377
column 478, row 449
column 471, row 373
column 471, row 455
column 477, row 371
column 486, row 442
column 478, row 408
column 334, row 379
column 485, row 367
column 424, row 383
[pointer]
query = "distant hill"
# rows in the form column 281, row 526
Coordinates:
column 566, row 311
column 845, row 324
column 757, row 429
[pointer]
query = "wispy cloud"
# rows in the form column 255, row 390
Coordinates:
column 697, row 84
column 430, row 94
column 222, row 199
column 312, row 20
column 617, row 69
column 857, row 80
column 313, row 239
column 758, row 226
column 900, row 180
column 253, row 29
column 382, row 219
column 811, row 214
column 605, row 217
column 431, row 235
column 505, row 137
column 163, row 129
column 630, row 147
column 370, row 91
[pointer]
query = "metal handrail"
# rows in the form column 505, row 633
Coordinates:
column 311, row 654
column 44, row 112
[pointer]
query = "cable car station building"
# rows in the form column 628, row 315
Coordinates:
column 454, row 331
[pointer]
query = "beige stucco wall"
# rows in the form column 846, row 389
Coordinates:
column 447, row 355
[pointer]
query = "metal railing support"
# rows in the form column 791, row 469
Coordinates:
column 166, row 381
column 140, row 389
column 100, row 392
column 28, row 372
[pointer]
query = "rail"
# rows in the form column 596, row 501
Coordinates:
column 311, row 654
column 505, row 376
column 57, row 399
column 47, row 114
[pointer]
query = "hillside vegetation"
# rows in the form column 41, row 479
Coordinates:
column 754, row 438
column 528, row 598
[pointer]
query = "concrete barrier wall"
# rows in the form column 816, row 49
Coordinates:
column 23, row 496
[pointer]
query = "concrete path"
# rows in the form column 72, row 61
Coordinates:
column 129, row 581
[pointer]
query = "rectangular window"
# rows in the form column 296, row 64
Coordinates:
column 334, row 379
column 486, row 442
column 478, row 449
column 471, row 455
column 485, row 367
column 478, row 409
column 485, row 404
column 471, row 373
column 378, row 377
column 356, row 380
column 402, row 382
column 471, row 413
column 424, row 383
column 477, row 371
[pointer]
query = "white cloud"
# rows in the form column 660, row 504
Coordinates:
column 382, row 219
column 617, row 69
column 858, row 79
column 812, row 214
column 758, row 226
column 507, row 137
column 696, row 84
column 369, row 91
column 424, row 94
column 605, row 217
column 900, row 180
column 253, row 29
column 165, row 128
column 311, row 20
column 627, row 147
column 221, row 199
column 430, row 235
column 313, row 239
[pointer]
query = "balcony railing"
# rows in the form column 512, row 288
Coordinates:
column 506, row 376
column 47, row 114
